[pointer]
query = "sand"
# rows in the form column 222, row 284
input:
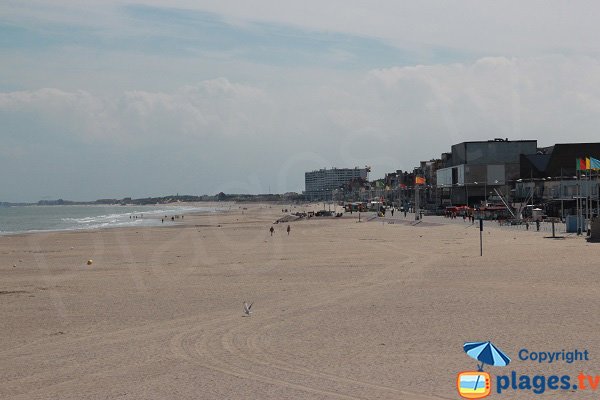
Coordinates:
column 342, row 310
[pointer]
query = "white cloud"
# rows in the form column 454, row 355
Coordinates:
column 389, row 118
column 535, row 74
column 508, row 27
column 516, row 97
column 213, row 107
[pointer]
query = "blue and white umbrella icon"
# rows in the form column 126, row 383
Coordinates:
column 487, row 353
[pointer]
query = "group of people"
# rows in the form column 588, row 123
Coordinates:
column 288, row 229
column 454, row 215
column 173, row 217
column 162, row 220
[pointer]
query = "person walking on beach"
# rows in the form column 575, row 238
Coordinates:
column 272, row 230
column 392, row 211
column 288, row 230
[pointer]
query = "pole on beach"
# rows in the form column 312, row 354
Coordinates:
column 481, row 237
column 577, row 202
column 417, row 205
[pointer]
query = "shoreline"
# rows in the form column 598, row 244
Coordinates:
column 225, row 208
column 126, row 224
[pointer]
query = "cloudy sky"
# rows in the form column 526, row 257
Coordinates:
column 104, row 98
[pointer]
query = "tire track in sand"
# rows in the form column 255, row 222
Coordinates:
column 221, row 352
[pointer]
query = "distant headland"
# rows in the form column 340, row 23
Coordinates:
column 288, row 197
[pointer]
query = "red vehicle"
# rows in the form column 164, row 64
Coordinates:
column 493, row 212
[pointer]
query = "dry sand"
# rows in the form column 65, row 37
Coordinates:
column 342, row 310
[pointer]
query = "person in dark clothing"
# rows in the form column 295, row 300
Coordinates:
column 288, row 230
column 272, row 230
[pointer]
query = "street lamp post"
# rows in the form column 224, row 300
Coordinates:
column 485, row 194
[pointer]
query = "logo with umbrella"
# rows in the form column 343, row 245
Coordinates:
column 477, row 384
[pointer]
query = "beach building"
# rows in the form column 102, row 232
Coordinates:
column 324, row 183
column 557, row 160
column 473, row 171
column 550, row 177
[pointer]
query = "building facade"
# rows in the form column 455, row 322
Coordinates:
column 323, row 184
column 473, row 170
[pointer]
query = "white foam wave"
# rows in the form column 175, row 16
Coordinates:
column 128, row 218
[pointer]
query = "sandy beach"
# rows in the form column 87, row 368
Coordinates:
column 342, row 310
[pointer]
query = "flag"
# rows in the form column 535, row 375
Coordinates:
column 594, row 163
column 581, row 164
column 419, row 180
column 587, row 163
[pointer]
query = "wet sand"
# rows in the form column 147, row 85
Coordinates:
column 342, row 310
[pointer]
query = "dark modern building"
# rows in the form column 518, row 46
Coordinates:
column 557, row 160
column 550, row 178
column 474, row 170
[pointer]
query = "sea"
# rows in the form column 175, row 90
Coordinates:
column 20, row 219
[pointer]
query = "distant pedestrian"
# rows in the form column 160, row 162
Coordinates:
column 162, row 220
column 392, row 212
column 288, row 230
column 404, row 213
column 272, row 230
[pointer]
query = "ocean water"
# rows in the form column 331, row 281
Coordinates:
column 57, row 218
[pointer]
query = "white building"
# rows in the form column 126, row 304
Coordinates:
column 320, row 184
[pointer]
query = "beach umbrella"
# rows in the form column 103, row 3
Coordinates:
column 487, row 353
